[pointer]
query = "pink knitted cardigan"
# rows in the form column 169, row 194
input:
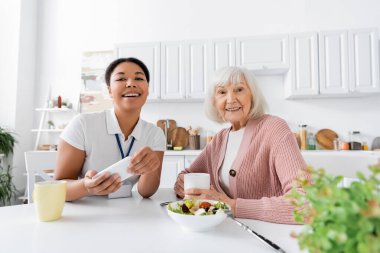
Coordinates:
column 267, row 162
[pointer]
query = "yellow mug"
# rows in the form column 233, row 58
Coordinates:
column 49, row 198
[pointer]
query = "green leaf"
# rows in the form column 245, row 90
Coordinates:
column 341, row 219
column 7, row 142
column 7, row 188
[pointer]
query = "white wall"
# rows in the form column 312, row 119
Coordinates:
column 9, row 28
column 9, row 45
column 25, row 87
column 17, row 73
column 68, row 27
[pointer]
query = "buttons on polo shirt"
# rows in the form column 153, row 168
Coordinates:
column 232, row 172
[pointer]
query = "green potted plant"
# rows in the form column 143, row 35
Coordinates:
column 339, row 219
column 7, row 188
column 7, row 142
column 51, row 124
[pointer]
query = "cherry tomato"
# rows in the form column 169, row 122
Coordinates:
column 204, row 205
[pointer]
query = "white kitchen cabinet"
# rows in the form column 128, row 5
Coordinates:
column 325, row 64
column 302, row 78
column 333, row 62
column 347, row 64
column 263, row 54
column 173, row 80
column 364, row 60
column 222, row 54
column 149, row 53
column 196, row 64
column 171, row 166
column 174, row 162
column 188, row 160
column 184, row 70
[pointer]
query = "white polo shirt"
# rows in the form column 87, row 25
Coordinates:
column 94, row 133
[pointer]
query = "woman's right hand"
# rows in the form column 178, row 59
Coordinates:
column 178, row 187
column 101, row 185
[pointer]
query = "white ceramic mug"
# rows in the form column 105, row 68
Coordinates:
column 196, row 180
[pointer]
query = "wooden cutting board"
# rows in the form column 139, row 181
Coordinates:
column 325, row 138
column 171, row 126
column 180, row 137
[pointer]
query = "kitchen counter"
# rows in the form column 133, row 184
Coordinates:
column 306, row 152
column 345, row 163
column 182, row 152
column 316, row 152
column 341, row 152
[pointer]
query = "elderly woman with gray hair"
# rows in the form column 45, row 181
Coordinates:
column 252, row 163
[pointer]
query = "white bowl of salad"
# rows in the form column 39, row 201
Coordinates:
column 198, row 214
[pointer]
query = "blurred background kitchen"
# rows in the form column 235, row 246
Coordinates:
column 43, row 43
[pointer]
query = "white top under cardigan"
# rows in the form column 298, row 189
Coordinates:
column 233, row 144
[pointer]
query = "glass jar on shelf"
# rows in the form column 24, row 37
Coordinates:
column 337, row 144
column 365, row 146
column 311, row 141
column 303, row 136
column 344, row 145
column 355, row 140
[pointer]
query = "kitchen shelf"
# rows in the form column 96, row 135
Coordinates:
column 55, row 109
column 47, row 130
column 45, row 111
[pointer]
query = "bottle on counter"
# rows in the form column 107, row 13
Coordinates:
column 303, row 136
column 337, row 145
column 355, row 140
column 311, row 141
column 344, row 145
column 169, row 146
column 59, row 102
column 364, row 146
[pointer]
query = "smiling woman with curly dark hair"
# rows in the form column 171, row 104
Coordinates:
column 92, row 142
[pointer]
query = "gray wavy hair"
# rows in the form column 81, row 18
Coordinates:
column 233, row 75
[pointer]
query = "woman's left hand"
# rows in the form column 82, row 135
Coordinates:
column 144, row 161
column 211, row 194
